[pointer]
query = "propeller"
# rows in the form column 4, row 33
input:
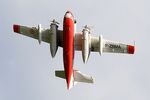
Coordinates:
column 54, row 22
column 87, row 27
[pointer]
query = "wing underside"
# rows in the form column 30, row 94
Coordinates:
column 35, row 33
column 96, row 44
column 99, row 44
column 109, row 46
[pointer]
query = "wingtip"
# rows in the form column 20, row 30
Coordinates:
column 16, row 28
column 131, row 49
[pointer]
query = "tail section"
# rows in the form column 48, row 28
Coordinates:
column 61, row 74
column 76, row 77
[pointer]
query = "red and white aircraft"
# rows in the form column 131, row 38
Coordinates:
column 81, row 41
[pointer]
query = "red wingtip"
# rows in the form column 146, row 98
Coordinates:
column 131, row 49
column 16, row 28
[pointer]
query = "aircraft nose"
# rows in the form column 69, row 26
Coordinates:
column 69, row 15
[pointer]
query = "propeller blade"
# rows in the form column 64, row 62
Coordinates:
column 55, row 22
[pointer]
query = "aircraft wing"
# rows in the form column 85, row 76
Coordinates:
column 99, row 44
column 38, row 33
column 96, row 44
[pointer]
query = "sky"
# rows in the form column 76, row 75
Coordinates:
column 27, row 68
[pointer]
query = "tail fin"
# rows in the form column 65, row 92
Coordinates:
column 77, row 77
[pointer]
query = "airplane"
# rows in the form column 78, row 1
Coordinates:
column 70, row 40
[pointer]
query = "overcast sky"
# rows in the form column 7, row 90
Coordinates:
column 27, row 69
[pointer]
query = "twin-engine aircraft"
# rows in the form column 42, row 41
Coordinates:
column 71, row 41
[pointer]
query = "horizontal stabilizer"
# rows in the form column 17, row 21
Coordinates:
column 76, row 77
column 60, row 74
column 79, row 77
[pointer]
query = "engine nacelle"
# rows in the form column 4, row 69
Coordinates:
column 86, row 44
column 53, row 38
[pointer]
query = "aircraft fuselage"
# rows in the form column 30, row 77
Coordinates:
column 68, row 47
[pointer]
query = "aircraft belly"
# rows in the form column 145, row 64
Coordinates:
column 68, row 48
